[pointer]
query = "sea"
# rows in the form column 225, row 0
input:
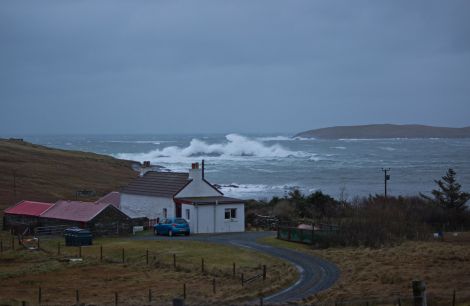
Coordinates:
column 260, row 166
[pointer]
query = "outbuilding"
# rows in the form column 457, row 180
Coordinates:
column 99, row 218
column 25, row 214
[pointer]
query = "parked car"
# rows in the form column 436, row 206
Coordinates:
column 172, row 226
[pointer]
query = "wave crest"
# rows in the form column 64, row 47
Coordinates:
column 236, row 146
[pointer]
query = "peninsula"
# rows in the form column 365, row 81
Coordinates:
column 375, row 131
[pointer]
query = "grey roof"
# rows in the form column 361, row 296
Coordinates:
column 211, row 200
column 158, row 184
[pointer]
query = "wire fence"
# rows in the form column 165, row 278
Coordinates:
column 213, row 278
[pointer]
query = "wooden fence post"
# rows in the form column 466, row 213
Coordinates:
column 147, row 257
column 150, row 295
column 399, row 301
column 419, row 293
column 39, row 296
column 116, row 299
column 80, row 251
column 184, row 291
column 202, row 265
column 242, row 279
column 264, row 272
column 174, row 261
column 213, row 285
column 1, row 246
column 39, row 243
column 233, row 270
column 58, row 248
column 453, row 298
column 77, row 297
column 261, row 300
column 101, row 253
column 12, row 242
column 123, row 259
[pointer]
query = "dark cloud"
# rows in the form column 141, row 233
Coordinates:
column 222, row 66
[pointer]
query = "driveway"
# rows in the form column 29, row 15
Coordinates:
column 315, row 274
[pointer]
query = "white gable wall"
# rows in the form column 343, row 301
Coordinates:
column 137, row 206
column 198, row 189
column 202, row 218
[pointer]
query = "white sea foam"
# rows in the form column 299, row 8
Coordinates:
column 254, row 190
column 275, row 138
column 156, row 142
column 236, row 147
column 339, row 148
column 387, row 148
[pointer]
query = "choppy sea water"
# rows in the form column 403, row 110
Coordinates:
column 262, row 166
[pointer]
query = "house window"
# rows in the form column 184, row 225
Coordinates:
column 188, row 214
column 165, row 213
column 230, row 213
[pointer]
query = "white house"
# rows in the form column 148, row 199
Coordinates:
column 158, row 195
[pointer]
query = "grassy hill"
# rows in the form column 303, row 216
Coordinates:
column 46, row 174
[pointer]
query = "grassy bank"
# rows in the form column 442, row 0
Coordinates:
column 46, row 174
column 23, row 271
column 388, row 271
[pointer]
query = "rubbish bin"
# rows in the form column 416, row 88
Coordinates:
column 75, row 236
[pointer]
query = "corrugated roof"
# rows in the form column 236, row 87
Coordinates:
column 159, row 184
column 74, row 210
column 113, row 198
column 210, row 200
column 29, row 208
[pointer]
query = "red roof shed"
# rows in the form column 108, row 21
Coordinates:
column 29, row 208
column 74, row 210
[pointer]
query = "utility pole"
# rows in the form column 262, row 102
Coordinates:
column 386, row 178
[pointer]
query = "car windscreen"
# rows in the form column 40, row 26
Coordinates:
column 180, row 221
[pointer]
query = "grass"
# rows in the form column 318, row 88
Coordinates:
column 384, row 272
column 23, row 271
column 45, row 174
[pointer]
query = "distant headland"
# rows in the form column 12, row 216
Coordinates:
column 374, row 131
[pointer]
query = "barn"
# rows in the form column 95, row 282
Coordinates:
column 100, row 218
column 25, row 214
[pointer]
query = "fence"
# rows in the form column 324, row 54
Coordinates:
column 307, row 236
column 98, row 254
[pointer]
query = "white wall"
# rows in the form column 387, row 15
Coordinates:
column 136, row 206
column 197, row 187
column 202, row 218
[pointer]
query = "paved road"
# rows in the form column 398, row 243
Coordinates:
column 316, row 274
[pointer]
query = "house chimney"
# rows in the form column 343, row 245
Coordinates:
column 195, row 173
column 202, row 166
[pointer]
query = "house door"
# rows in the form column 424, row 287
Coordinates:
column 178, row 210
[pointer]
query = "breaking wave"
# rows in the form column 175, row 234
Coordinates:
column 235, row 147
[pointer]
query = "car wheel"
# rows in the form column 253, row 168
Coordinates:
column 186, row 234
column 170, row 233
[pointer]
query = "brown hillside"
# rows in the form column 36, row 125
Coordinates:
column 46, row 174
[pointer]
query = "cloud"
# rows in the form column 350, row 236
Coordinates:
column 155, row 66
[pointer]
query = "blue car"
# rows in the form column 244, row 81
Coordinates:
column 172, row 226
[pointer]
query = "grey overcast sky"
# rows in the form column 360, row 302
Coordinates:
column 169, row 66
